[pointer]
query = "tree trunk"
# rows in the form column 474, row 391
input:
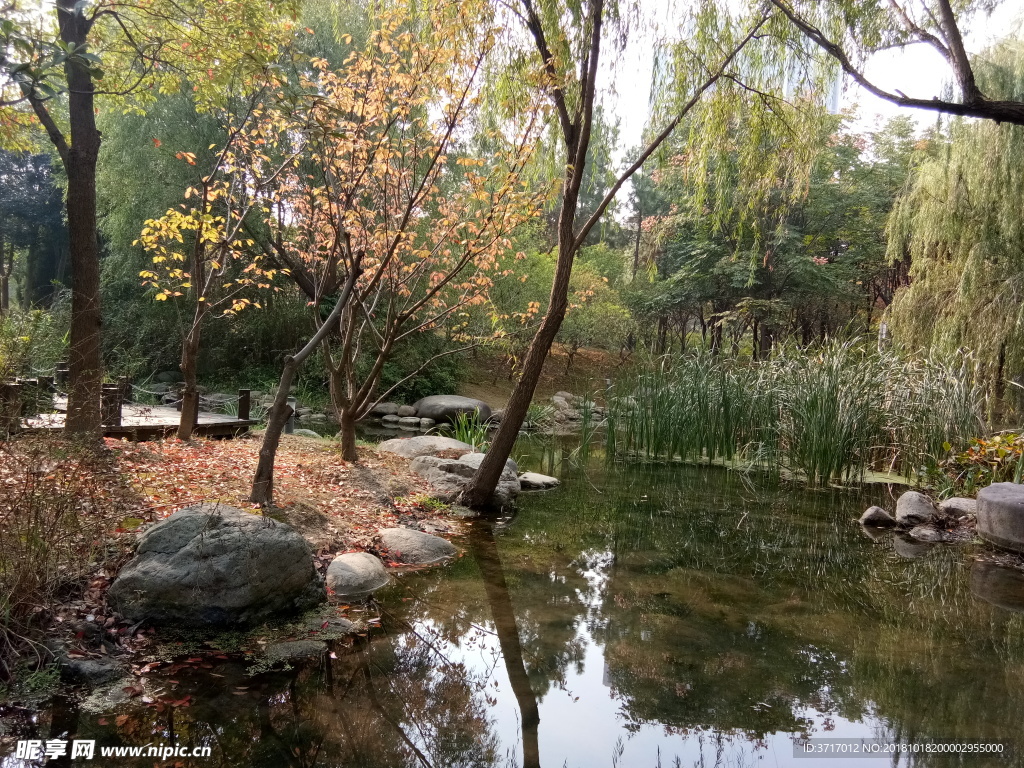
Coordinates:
column 262, row 491
column 84, row 354
column 190, row 393
column 348, row 436
column 263, row 482
column 479, row 491
column 6, row 268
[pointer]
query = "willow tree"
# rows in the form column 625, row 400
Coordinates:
column 960, row 223
column 850, row 31
column 717, row 56
column 60, row 61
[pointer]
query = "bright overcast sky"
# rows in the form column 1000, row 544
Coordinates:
column 919, row 71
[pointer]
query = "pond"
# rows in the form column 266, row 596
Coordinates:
column 644, row 616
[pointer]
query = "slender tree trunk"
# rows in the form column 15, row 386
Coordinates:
column 190, row 370
column 480, row 489
column 6, row 268
column 262, row 491
column 263, row 481
column 84, row 354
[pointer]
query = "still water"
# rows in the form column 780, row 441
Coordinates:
column 642, row 617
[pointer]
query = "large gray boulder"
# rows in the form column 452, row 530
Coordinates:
column 356, row 575
column 212, row 565
column 385, row 409
column 448, row 407
column 1000, row 514
column 476, row 459
column 913, row 508
column 878, row 517
column 449, row 477
column 422, row 445
column 416, row 547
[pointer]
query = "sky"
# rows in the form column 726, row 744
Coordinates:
column 918, row 71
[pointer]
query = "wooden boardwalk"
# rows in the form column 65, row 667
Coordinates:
column 146, row 422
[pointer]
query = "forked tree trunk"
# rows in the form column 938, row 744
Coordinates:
column 262, row 491
column 348, row 436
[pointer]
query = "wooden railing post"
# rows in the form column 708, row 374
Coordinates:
column 244, row 404
column 10, row 407
column 110, row 405
column 60, row 374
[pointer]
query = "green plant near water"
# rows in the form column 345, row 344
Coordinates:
column 833, row 412
column 997, row 459
column 468, row 428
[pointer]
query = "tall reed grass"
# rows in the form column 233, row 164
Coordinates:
column 833, row 412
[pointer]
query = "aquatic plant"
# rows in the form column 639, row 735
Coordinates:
column 832, row 412
column 468, row 428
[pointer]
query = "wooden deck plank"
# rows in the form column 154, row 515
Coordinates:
column 144, row 422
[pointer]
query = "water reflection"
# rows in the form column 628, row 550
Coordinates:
column 652, row 617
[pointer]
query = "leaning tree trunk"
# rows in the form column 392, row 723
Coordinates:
column 84, row 353
column 480, row 489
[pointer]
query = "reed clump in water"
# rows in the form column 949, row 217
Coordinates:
column 832, row 412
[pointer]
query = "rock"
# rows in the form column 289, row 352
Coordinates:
column 336, row 626
column 390, row 419
column 448, row 407
column 958, row 506
column 476, row 459
column 569, row 397
column 568, row 414
column 1000, row 514
column 385, row 409
column 999, row 585
column 560, row 403
column 317, row 418
column 416, row 547
column 497, row 416
column 92, row 671
column 909, row 548
column 306, row 433
column 449, row 478
column 406, row 410
column 214, row 565
column 169, row 377
column 878, row 517
column 409, row 421
column 422, row 445
column 427, row 423
column 158, row 388
column 913, row 508
column 927, row 533
column 356, row 575
column 295, row 649
column 534, row 481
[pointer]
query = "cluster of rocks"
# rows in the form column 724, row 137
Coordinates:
column 572, row 408
column 210, row 566
column 923, row 520
column 997, row 516
column 427, row 412
column 449, row 476
column 167, row 386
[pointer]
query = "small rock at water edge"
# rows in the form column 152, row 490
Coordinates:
column 878, row 517
column 958, row 506
column 534, row 481
column 913, row 508
column 415, row 547
column 406, row 410
column 356, row 575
